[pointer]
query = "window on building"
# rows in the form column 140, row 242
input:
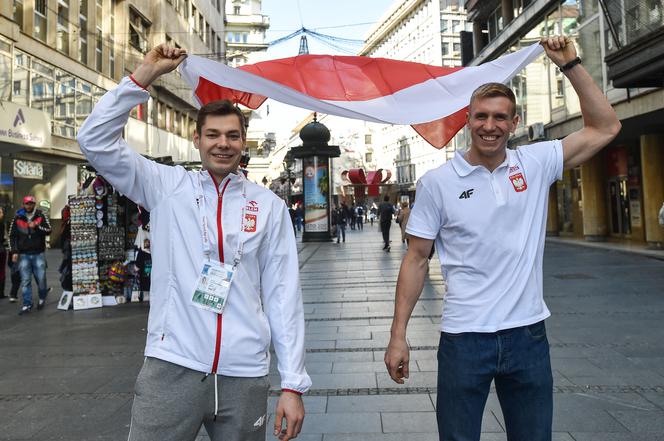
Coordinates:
column 236, row 10
column 99, row 13
column 138, row 30
column 495, row 22
column 213, row 41
column 111, row 40
column 367, row 138
column 445, row 48
column 193, row 19
column 457, row 26
column 40, row 20
column 201, row 26
column 368, row 157
column 229, row 37
column 456, row 48
column 17, row 12
column 83, row 31
column 443, row 25
column 99, row 51
column 62, row 35
column 219, row 47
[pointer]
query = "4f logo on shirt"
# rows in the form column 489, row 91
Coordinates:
column 519, row 182
column 249, row 223
column 466, row 194
column 252, row 206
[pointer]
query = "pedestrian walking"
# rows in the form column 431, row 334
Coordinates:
column 486, row 210
column 373, row 213
column 385, row 213
column 299, row 217
column 224, row 259
column 359, row 217
column 3, row 252
column 27, row 238
column 342, row 217
column 402, row 220
column 351, row 216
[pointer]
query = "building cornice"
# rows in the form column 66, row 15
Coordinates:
column 387, row 23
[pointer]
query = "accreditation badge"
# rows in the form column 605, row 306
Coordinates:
column 213, row 286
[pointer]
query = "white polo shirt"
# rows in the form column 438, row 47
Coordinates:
column 489, row 230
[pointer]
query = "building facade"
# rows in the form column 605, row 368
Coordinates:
column 245, row 44
column 422, row 31
column 58, row 57
column 617, row 194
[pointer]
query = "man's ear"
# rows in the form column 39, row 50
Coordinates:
column 515, row 122
column 196, row 139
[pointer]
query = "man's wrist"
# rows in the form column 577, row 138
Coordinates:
column 293, row 391
column 569, row 65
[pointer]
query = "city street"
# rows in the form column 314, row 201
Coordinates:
column 70, row 375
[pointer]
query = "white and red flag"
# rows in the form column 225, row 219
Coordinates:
column 432, row 99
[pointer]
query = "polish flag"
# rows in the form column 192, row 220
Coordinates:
column 432, row 99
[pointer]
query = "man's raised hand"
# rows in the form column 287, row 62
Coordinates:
column 160, row 60
column 559, row 49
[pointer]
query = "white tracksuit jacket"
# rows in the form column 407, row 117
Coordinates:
column 265, row 301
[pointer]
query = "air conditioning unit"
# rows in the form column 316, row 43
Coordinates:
column 536, row 132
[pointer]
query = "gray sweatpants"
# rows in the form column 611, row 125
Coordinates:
column 171, row 403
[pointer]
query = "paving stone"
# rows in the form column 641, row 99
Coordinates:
column 409, row 422
column 357, row 423
column 380, row 403
column 641, row 420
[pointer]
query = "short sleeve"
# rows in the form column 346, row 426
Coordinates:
column 425, row 218
column 549, row 155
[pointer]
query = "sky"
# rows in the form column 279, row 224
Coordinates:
column 340, row 18
column 332, row 17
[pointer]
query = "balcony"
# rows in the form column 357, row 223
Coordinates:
column 254, row 20
column 640, row 63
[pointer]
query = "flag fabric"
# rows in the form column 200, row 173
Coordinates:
column 432, row 99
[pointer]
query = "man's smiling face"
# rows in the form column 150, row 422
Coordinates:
column 220, row 144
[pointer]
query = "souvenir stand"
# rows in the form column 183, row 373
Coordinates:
column 98, row 246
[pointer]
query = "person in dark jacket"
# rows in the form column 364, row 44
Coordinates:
column 27, row 238
column 385, row 212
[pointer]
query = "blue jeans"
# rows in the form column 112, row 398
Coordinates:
column 29, row 264
column 518, row 362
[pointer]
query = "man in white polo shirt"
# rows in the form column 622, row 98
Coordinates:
column 486, row 211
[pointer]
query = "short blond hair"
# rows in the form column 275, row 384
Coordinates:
column 492, row 90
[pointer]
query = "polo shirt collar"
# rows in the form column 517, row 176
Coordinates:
column 463, row 167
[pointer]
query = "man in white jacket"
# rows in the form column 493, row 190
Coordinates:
column 224, row 258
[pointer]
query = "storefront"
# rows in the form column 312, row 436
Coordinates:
column 29, row 165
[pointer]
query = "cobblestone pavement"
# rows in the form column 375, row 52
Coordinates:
column 70, row 375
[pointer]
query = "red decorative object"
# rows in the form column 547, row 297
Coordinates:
column 359, row 180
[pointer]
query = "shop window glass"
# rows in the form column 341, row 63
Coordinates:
column 20, row 85
column 65, row 95
column 5, row 77
column 43, row 93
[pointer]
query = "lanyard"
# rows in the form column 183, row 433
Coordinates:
column 202, row 210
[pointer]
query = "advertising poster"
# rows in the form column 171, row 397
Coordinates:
column 316, row 194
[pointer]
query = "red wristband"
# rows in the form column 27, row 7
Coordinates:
column 291, row 390
column 131, row 77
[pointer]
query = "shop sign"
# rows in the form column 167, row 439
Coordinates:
column 24, row 125
column 28, row 169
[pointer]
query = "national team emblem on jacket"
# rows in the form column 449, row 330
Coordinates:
column 519, row 182
column 249, row 223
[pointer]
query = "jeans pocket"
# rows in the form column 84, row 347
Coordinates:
column 536, row 331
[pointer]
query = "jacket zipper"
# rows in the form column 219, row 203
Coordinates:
column 220, row 234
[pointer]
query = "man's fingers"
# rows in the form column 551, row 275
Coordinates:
column 404, row 369
column 277, row 421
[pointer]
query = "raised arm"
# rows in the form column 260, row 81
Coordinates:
column 100, row 137
column 600, row 123
column 409, row 287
